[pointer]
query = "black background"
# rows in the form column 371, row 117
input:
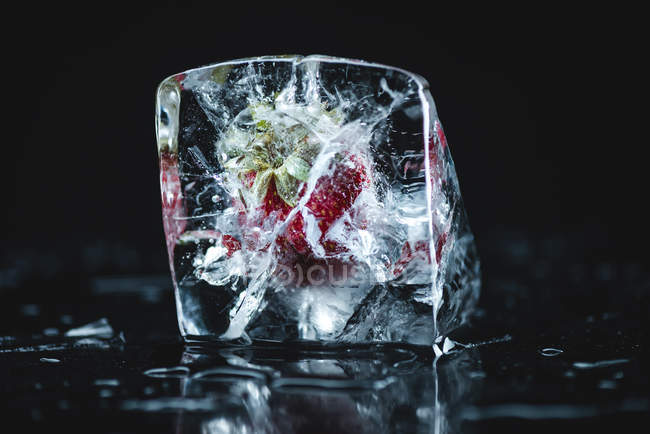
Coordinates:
column 540, row 105
column 543, row 108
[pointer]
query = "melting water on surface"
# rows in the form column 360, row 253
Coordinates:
column 549, row 411
column 599, row 364
column 359, row 388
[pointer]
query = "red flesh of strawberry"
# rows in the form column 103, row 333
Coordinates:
column 231, row 243
column 331, row 198
column 172, row 199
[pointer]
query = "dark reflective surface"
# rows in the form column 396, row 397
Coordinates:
column 366, row 390
column 560, row 343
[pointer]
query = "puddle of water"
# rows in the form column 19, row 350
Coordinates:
column 93, row 343
column 106, row 393
column 107, row 382
column 499, row 340
column 51, row 331
column 30, row 309
column 7, row 340
column 548, row 411
column 35, row 348
column 169, row 404
column 599, row 364
column 311, row 383
column 607, row 384
column 99, row 328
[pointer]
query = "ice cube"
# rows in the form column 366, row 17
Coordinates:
column 311, row 198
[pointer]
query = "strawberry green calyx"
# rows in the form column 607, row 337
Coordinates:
column 272, row 146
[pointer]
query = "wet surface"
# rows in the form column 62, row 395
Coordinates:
column 560, row 343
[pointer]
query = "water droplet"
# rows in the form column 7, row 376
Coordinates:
column 551, row 352
column 30, row 310
column 92, row 343
column 107, row 382
column 7, row 339
column 48, row 360
column 99, row 328
column 105, row 393
column 51, row 331
column 599, row 364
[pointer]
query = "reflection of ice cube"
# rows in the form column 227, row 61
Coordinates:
column 353, row 391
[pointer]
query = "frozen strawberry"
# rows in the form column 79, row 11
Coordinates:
column 420, row 250
column 271, row 165
column 332, row 197
column 179, row 79
column 249, row 178
column 441, row 135
column 231, row 243
column 172, row 198
column 273, row 203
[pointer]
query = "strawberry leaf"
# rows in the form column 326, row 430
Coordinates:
column 297, row 167
column 261, row 184
column 286, row 185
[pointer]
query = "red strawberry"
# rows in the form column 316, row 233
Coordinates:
column 441, row 135
column 421, row 247
column 231, row 243
column 172, row 199
column 179, row 79
column 420, row 250
column 249, row 178
column 173, row 209
column 332, row 197
column 272, row 202
column 273, row 168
